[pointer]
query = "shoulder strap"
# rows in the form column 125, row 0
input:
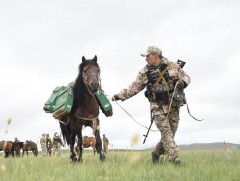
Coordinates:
column 161, row 73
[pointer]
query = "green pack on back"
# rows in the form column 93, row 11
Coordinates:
column 60, row 102
column 104, row 103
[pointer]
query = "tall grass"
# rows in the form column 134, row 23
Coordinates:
column 124, row 166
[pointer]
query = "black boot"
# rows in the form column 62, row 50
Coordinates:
column 179, row 163
column 155, row 158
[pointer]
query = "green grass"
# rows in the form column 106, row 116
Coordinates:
column 124, row 166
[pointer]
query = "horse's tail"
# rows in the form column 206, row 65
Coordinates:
column 65, row 129
column 12, row 149
column 36, row 149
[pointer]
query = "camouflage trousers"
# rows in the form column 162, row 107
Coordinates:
column 44, row 149
column 168, row 126
column 105, row 147
column 56, row 149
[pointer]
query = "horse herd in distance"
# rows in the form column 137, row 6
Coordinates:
column 13, row 148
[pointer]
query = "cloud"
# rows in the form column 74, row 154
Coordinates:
column 42, row 44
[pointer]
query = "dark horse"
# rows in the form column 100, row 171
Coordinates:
column 18, row 146
column 29, row 146
column 7, row 147
column 85, row 109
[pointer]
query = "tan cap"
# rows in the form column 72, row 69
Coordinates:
column 152, row 49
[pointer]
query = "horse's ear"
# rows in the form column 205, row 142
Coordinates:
column 95, row 59
column 83, row 59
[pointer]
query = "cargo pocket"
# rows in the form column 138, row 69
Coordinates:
column 178, row 98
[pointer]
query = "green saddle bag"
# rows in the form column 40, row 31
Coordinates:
column 104, row 104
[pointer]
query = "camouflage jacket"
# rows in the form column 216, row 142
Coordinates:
column 57, row 140
column 105, row 141
column 43, row 140
column 175, row 72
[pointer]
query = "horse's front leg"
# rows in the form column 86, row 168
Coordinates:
column 72, row 142
column 99, row 145
column 34, row 152
column 94, row 150
column 6, row 154
column 80, row 146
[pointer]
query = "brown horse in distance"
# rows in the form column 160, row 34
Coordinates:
column 30, row 146
column 87, row 143
column 7, row 147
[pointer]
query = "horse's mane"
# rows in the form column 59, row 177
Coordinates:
column 79, row 87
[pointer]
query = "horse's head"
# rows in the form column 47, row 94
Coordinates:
column 90, row 72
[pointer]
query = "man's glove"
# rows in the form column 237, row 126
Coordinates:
column 181, row 84
column 115, row 98
column 153, row 75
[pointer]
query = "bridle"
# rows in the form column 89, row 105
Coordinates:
column 86, row 79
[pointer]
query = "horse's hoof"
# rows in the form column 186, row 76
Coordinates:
column 102, row 158
column 73, row 159
column 80, row 160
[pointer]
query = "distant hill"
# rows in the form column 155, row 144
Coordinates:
column 209, row 146
column 206, row 146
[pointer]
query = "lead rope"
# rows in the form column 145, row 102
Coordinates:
column 191, row 114
column 137, row 121
column 144, row 125
column 141, row 124
column 133, row 117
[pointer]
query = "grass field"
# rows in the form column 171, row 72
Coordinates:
column 124, row 166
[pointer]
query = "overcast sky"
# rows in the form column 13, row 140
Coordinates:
column 42, row 42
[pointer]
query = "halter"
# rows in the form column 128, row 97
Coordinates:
column 88, row 78
column 91, row 75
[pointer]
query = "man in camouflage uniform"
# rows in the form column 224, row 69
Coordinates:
column 162, row 79
column 105, row 143
column 57, row 143
column 43, row 143
column 49, row 145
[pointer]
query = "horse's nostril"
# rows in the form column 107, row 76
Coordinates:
column 94, row 86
